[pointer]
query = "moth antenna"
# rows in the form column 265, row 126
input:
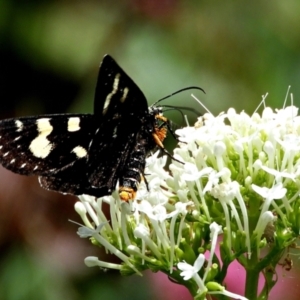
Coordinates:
column 175, row 108
column 179, row 108
column 183, row 116
column 179, row 91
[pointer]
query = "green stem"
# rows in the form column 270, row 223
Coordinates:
column 176, row 278
column 252, row 276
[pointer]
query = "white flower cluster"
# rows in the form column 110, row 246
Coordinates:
column 233, row 165
column 242, row 158
column 140, row 227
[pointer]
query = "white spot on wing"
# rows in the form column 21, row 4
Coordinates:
column 79, row 151
column 12, row 161
column 115, row 132
column 73, row 124
column 41, row 146
column 125, row 92
column 19, row 125
column 110, row 95
column 23, row 165
column 17, row 138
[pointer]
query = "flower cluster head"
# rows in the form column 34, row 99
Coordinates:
column 235, row 176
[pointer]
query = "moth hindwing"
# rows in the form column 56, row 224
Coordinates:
column 88, row 153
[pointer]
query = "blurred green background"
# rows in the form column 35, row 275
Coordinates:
column 50, row 52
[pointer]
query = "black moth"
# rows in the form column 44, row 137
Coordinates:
column 88, row 153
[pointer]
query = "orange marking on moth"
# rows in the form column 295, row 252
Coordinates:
column 162, row 118
column 159, row 135
column 126, row 193
column 157, row 140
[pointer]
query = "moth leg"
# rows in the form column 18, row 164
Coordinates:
column 159, row 135
column 146, row 182
column 166, row 122
column 170, row 155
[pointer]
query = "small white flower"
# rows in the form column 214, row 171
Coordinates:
column 189, row 271
column 269, row 194
column 191, row 172
column 92, row 261
column 229, row 295
column 215, row 230
column 266, row 218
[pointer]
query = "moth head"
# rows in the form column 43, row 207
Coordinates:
column 155, row 110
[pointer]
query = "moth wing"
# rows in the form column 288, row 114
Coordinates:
column 119, row 109
column 80, row 153
column 44, row 145
column 116, row 94
column 98, row 176
column 99, row 179
column 122, row 108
